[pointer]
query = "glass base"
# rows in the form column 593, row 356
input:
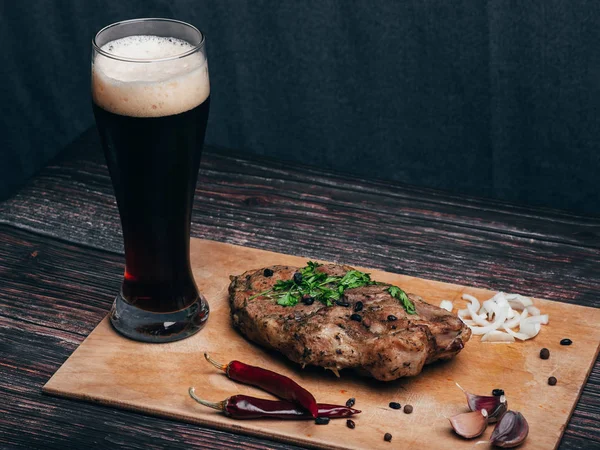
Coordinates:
column 145, row 326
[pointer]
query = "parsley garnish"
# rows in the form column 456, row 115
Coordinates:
column 398, row 293
column 308, row 282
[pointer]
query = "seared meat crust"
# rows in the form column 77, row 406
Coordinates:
column 325, row 336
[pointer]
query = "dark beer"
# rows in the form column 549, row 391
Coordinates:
column 153, row 162
column 151, row 96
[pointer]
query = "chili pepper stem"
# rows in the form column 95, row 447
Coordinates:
column 220, row 406
column 222, row 367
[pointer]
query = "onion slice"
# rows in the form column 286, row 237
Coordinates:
column 497, row 318
column 543, row 319
column 531, row 329
column 518, row 301
column 497, row 336
column 447, row 305
column 498, row 321
column 516, row 320
column 479, row 319
column 520, row 336
column 473, row 301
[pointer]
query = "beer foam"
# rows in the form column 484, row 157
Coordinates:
column 146, row 87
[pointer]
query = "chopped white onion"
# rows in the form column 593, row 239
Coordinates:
column 497, row 336
column 473, row 301
column 514, row 321
column 537, row 319
column 463, row 312
column 478, row 318
column 530, row 329
column 500, row 314
column 496, row 318
column 518, row 301
column 486, row 307
column 447, row 305
column 520, row 336
column 499, row 299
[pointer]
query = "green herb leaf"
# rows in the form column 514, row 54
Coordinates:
column 312, row 265
column 260, row 294
column 288, row 299
column 328, row 295
column 394, row 291
column 354, row 279
column 327, row 288
column 398, row 293
column 283, row 285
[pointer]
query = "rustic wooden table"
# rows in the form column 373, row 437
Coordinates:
column 61, row 263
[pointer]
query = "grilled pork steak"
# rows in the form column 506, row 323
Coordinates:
column 326, row 336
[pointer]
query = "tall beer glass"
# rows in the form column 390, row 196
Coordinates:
column 151, row 96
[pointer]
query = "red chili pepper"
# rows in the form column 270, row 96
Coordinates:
column 246, row 407
column 269, row 381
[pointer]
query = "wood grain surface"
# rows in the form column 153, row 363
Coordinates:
column 154, row 379
column 69, row 210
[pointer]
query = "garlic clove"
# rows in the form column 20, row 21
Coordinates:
column 496, row 406
column 512, row 429
column 471, row 424
column 497, row 413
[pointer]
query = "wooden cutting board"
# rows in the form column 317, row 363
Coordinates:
column 154, row 378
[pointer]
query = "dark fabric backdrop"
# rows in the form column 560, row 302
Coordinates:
column 492, row 98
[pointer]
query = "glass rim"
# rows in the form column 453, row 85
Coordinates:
column 195, row 46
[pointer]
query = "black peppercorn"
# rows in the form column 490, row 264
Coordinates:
column 308, row 300
column 350, row 424
column 552, row 381
column 497, row 392
column 395, row 405
column 342, row 303
column 356, row 317
column 350, row 402
column 268, row 273
column 322, row 420
column 544, row 353
column 387, row 437
column 566, row 342
column 358, row 306
column 391, row 318
column 298, row 278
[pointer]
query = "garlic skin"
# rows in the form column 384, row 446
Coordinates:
column 497, row 413
column 512, row 430
column 471, row 424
